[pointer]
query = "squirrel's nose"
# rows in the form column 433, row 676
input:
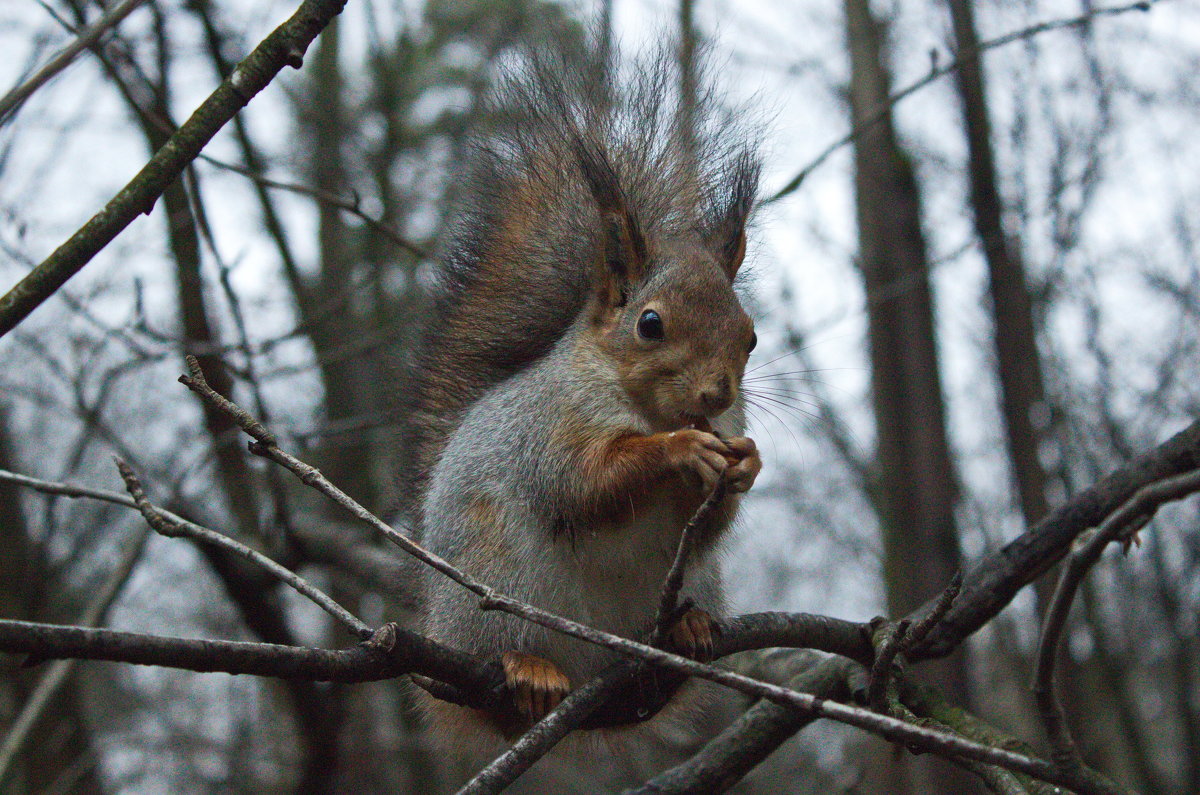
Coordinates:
column 717, row 395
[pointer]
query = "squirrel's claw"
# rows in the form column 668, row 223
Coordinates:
column 744, row 464
column 693, row 635
column 537, row 684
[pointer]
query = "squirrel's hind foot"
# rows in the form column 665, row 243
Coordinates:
column 693, row 635
column 537, row 685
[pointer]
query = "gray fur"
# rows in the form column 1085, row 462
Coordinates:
column 608, row 577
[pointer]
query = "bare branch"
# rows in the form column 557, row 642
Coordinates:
column 938, row 72
column 897, row 638
column 11, row 101
column 751, row 738
column 665, row 614
column 285, row 46
column 173, row 525
column 1126, row 520
column 351, row 205
column 570, row 713
column 265, row 445
column 894, row 636
column 941, row 607
column 931, row 741
column 992, row 582
column 360, row 663
column 926, row 702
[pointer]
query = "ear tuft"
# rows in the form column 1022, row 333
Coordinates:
column 725, row 231
column 624, row 245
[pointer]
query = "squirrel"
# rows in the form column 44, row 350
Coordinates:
column 577, row 393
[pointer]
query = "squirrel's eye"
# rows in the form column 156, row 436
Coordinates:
column 650, row 326
column 753, row 341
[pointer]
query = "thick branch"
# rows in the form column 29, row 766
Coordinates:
column 392, row 653
column 746, row 742
column 993, row 582
column 1119, row 526
column 479, row 681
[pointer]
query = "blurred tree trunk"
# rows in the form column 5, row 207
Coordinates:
column 1018, row 362
column 254, row 594
column 150, row 104
column 1023, row 401
column 915, row 486
column 58, row 751
column 352, row 374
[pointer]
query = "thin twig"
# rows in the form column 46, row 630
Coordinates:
column 941, row 607
column 664, row 616
column 267, row 446
column 88, row 37
column 897, row 638
column 894, row 637
column 284, row 46
column 1117, row 526
column 938, row 72
column 170, row 528
column 352, row 205
column 178, row 526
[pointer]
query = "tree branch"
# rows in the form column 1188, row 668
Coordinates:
column 172, row 525
column 11, row 101
column 746, row 742
column 665, row 614
column 991, row 584
column 285, row 46
column 928, row 740
column 1133, row 514
column 938, row 72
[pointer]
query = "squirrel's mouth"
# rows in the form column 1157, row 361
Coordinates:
column 698, row 422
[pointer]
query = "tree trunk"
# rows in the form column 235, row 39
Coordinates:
column 1018, row 361
column 915, row 485
column 59, row 745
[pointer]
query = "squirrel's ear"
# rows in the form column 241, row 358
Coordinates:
column 725, row 233
column 624, row 260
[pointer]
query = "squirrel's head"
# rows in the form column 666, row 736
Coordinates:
column 664, row 310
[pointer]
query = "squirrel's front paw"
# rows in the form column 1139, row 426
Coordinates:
column 744, row 464
column 693, row 634
column 537, row 684
column 700, row 457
